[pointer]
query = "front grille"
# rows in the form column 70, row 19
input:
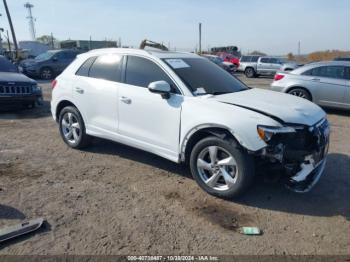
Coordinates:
column 15, row 90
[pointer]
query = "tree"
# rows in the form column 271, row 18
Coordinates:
column 290, row 56
column 256, row 52
column 46, row 39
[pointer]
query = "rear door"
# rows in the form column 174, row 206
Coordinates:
column 147, row 120
column 96, row 92
column 329, row 84
column 275, row 65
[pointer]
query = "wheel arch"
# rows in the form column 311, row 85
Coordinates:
column 200, row 132
column 299, row 87
column 62, row 104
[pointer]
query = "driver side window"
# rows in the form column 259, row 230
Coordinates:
column 141, row 72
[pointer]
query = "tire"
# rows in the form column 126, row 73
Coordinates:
column 46, row 73
column 228, row 179
column 250, row 72
column 300, row 92
column 72, row 128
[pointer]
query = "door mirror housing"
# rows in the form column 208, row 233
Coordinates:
column 160, row 87
column 55, row 59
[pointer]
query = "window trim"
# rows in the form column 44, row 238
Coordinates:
column 123, row 78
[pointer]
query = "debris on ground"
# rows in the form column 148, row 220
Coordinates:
column 10, row 232
column 250, row 231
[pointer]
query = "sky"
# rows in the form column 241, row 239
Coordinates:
column 270, row 26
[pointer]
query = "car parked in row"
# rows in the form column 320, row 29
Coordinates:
column 324, row 83
column 184, row 108
column 49, row 64
column 228, row 66
column 229, row 58
column 17, row 89
column 254, row 66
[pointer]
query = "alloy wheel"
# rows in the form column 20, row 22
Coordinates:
column 299, row 93
column 70, row 128
column 217, row 168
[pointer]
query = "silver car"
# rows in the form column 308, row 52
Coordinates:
column 324, row 83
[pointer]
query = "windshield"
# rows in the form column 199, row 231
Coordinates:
column 203, row 77
column 45, row 56
column 7, row 66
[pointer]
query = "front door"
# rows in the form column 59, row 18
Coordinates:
column 147, row 120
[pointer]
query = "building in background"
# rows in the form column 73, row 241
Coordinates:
column 86, row 44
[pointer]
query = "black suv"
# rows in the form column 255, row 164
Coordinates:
column 49, row 64
column 16, row 88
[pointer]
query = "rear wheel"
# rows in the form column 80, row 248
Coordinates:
column 250, row 72
column 300, row 92
column 72, row 128
column 221, row 168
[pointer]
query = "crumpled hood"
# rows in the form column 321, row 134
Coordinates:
column 15, row 77
column 288, row 108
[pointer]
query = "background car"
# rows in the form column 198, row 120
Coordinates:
column 16, row 88
column 342, row 59
column 324, row 83
column 228, row 66
column 254, row 66
column 229, row 58
column 49, row 64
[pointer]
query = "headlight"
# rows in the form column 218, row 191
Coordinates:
column 36, row 88
column 267, row 132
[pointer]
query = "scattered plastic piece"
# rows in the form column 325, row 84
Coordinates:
column 20, row 229
column 250, row 231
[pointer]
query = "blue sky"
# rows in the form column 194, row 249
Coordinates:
column 272, row 26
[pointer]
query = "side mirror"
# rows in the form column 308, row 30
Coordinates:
column 54, row 59
column 160, row 87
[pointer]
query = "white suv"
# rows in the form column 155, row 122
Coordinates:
column 184, row 108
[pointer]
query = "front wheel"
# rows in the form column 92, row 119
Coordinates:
column 72, row 128
column 46, row 73
column 221, row 168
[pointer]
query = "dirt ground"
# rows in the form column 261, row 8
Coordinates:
column 113, row 199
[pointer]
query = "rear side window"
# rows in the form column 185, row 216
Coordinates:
column 347, row 72
column 265, row 60
column 107, row 67
column 327, row 71
column 255, row 58
column 85, row 67
column 245, row 59
column 141, row 72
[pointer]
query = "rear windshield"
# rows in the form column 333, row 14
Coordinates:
column 203, row 77
column 7, row 66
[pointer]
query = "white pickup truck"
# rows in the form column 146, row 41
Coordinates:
column 253, row 66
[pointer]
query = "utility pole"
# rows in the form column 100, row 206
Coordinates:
column 52, row 43
column 299, row 49
column 200, row 38
column 29, row 6
column 11, row 27
column 90, row 43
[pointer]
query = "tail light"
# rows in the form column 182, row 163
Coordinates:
column 278, row 77
column 53, row 83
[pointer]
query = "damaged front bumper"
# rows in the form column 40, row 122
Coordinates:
column 301, row 155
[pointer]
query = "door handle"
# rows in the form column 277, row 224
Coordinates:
column 315, row 79
column 79, row 90
column 126, row 100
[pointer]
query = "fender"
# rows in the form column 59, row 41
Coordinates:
column 201, row 127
